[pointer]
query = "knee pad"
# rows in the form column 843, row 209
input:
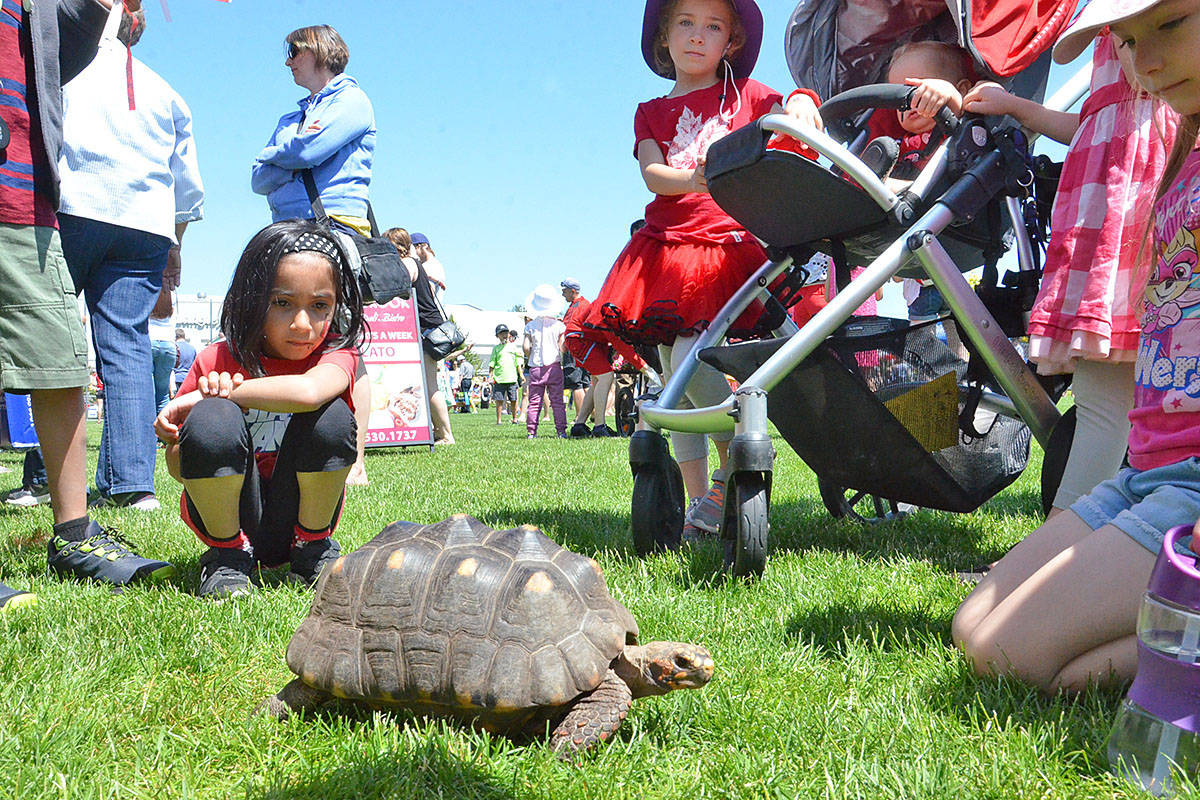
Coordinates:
column 328, row 436
column 214, row 441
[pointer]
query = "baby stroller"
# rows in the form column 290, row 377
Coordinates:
column 873, row 406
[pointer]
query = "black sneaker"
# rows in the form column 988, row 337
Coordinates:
column 104, row 556
column 580, row 431
column 225, row 573
column 311, row 557
column 603, row 431
column 11, row 598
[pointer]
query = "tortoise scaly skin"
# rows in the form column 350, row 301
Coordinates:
column 505, row 630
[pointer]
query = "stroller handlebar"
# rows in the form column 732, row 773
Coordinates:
column 880, row 95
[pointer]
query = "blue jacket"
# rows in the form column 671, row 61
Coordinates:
column 334, row 134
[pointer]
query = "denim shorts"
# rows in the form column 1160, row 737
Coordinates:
column 929, row 305
column 1146, row 503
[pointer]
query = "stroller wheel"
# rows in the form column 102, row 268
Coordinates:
column 855, row 505
column 747, row 525
column 1054, row 462
column 656, row 515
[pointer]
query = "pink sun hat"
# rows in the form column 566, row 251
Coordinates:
column 1096, row 15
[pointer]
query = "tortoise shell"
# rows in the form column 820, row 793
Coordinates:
column 457, row 618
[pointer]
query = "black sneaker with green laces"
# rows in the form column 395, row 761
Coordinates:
column 11, row 598
column 311, row 557
column 225, row 573
column 105, row 556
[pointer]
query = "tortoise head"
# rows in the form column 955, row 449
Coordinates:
column 660, row 667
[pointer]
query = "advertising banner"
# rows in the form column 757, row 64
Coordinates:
column 399, row 412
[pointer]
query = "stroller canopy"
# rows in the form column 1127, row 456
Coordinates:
column 834, row 45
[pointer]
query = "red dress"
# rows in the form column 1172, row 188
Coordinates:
column 676, row 272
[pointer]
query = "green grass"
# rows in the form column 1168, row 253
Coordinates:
column 835, row 676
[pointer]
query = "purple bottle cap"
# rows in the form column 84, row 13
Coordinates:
column 1175, row 577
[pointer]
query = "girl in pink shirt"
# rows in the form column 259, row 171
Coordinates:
column 1060, row 609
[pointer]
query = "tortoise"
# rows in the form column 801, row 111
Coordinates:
column 504, row 630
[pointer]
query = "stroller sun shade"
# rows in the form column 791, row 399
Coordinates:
column 834, row 45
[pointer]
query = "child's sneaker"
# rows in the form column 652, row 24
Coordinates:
column 225, row 573
column 104, row 556
column 706, row 513
column 28, row 496
column 11, row 599
column 692, row 534
column 310, row 558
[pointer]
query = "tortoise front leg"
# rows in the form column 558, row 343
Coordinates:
column 593, row 717
column 296, row 696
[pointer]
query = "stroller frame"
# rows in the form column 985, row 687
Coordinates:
column 657, row 497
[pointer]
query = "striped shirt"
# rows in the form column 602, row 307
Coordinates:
column 25, row 197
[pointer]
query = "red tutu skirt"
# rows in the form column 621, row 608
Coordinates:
column 658, row 291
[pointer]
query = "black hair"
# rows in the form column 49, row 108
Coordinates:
column 244, row 312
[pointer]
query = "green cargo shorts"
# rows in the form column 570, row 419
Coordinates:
column 41, row 335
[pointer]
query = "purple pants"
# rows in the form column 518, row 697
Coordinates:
column 541, row 380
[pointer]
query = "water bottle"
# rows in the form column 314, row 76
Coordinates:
column 1158, row 726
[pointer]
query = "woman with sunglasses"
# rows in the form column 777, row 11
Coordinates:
column 331, row 136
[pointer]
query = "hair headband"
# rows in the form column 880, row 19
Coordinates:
column 316, row 243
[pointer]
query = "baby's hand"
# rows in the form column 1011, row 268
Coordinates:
column 219, row 384
column 989, row 99
column 931, row 95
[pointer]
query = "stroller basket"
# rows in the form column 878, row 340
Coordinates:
column 875, row 408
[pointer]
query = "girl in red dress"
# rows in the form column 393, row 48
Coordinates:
column 677, row 271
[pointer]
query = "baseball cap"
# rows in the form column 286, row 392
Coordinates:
column 501, row 329
column 419, row 238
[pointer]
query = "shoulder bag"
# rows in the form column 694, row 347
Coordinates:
column 382, row 275
column 443, row 339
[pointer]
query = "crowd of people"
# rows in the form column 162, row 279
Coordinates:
column 266, row 427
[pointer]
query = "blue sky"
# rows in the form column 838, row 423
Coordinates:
column 505, row 129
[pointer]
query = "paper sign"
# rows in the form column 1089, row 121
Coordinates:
column 399, row 410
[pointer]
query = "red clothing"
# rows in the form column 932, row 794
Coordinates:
column 677, row 271
column 684, row 127
column 591, row 350
column 24, row 196
column 267, row 427
column 886, row 122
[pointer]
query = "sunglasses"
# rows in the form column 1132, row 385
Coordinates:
column 293, row 50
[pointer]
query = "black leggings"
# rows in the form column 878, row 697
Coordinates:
column 215, row 442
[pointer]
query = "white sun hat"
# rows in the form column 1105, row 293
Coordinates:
column 546, row 301
column 1095, row 16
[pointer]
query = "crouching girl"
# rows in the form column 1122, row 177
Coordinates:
column 262, row 432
